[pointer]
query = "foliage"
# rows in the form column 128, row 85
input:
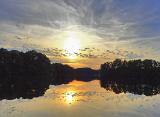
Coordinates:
column 29, row 74
column 135, row 76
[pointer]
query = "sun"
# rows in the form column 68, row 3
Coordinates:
column 72, row 46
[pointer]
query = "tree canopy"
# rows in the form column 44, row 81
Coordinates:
column 135, row 76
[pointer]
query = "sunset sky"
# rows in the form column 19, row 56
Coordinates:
column 82, row 33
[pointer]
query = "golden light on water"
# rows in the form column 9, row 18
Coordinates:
column 70, row 97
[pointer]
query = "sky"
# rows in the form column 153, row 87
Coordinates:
column 82, row 33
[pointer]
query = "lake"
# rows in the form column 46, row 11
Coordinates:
column 82, row 99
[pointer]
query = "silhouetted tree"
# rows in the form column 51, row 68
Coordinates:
column 29, row 74
column 23, row 74
column 135, row 76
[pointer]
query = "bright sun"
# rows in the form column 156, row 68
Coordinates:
column 72, row 46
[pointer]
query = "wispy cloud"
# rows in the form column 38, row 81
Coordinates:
column 114, row 28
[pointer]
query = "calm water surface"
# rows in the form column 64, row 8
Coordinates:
column 82, row 99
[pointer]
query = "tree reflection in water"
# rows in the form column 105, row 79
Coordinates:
column 133, row 76
column 141, row 89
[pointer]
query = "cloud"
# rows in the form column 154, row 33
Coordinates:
column 125, row 29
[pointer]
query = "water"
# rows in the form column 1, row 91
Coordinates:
column 82, row 99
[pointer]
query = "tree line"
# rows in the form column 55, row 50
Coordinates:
column 29, row 74
column 134, row 76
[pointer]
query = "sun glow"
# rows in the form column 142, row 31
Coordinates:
column 72, row 45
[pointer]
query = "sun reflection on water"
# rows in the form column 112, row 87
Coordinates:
column 70, row 97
